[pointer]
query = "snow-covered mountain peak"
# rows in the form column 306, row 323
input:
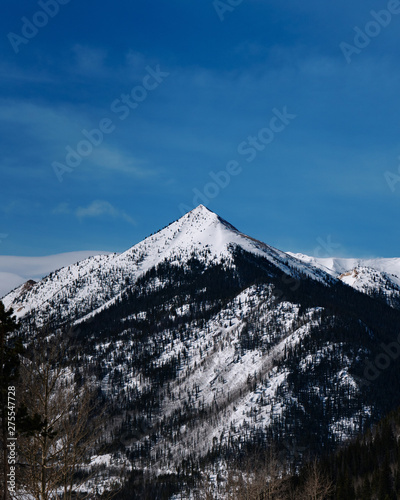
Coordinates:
column 199, row 211
column 200, row 233
column 370, row 276
column 337, row 266
column 97, row 282
column 209, row 238
column 200, row 219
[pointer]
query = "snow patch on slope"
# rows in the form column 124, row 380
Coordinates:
column 15, row 271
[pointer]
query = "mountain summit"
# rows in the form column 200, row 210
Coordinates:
column 93, row 284
column 82, row 288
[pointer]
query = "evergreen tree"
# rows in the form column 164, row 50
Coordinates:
column 10, row 349
column 385, row 480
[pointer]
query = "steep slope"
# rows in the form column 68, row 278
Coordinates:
column 339, row 265
column 92, row 284
column 376, row 277
column 201, row 360
column 15, row 271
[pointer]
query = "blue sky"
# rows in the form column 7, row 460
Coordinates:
column 204, row 85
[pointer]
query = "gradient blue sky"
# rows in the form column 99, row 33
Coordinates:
column 319, row 180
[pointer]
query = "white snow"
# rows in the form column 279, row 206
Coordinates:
column 365, row 275
column 250, row 386
column 337, row 266
column 15, row 271
column 82, row 290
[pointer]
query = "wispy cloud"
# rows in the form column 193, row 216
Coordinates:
column 46, row 131
column 100, row 208
column 11, row 72
column 62, row 208
column 89, row 61
column 120, row 161
column 40, row 121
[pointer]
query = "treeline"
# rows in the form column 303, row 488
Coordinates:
column 366, row 469
column 369, row 467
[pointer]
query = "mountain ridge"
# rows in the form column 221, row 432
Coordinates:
column 200, row 232
column 388, row 269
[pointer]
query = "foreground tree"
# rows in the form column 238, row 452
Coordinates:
column 55, row 456
column 10, row 349
column 256, row 479
column 317, row 485
column 260, row 478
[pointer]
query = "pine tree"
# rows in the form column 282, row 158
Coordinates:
column 366, row 489
column 10, row 349
column 385, row 480
column 397, row 477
